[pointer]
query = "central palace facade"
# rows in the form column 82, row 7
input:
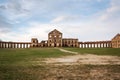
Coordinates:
column 55, row 39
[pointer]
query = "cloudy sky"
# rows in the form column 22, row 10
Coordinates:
column 87, row 20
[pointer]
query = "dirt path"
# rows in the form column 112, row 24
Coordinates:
column 63, row 50
column 83, row 59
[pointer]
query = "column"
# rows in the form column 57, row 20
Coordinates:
column 28, row 45
column 5, row 45
column 87, row 45
column 20, row 45
column 0, row 44
column 100, row 44
column 97, row 45
column 10, row 45
column 24, row 45
column 14, row 45
column 106, row 44
column 103, row 45
column 94, row 45
column 90, row 45
column 81, row 45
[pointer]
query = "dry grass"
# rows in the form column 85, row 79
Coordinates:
column 25, row 64
column 64, row 72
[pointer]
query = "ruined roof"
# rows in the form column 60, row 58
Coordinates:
column 34, row 38
column 116, row 36
column 55, row 30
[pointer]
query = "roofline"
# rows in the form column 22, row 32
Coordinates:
column 116, row 35
column 54, row 30
column 70, row 38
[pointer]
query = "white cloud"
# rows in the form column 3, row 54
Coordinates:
column 92, row 30
column 66, row 19
column 112, row 11
column 14, row 10
column 33, row 30
column 58, row 19
column 99, row 27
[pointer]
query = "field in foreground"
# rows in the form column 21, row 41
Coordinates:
column 57, row 72
column 25, row 64
column 97, row 51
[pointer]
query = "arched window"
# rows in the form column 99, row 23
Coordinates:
column 59, row 36
column 50, row 36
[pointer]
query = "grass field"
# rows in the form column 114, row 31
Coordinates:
column 12, row 56
column 97, row 51
column 14, row 62
column 17, row 64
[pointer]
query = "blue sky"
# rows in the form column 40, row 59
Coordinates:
column 87, row 20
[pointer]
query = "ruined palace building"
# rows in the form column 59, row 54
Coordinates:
column 55, row 39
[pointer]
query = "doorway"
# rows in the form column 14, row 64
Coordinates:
column 54, row 44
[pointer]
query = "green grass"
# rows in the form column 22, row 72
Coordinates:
column 17, row 64
column 13, row 56
column 66, row 72
column 97, row 51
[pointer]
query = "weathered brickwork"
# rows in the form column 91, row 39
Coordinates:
column 69, row 42
column 55, row 39
column 116, row 41
column 34, row 42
